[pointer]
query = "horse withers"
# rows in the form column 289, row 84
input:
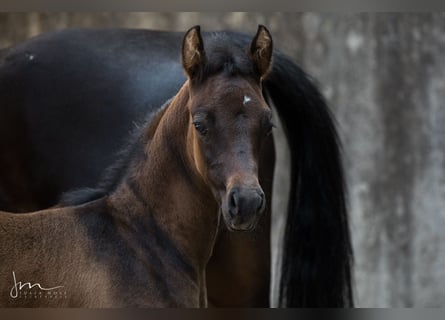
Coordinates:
column 148, row 242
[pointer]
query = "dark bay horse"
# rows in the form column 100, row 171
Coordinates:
column 69, row 100
column 148, row 242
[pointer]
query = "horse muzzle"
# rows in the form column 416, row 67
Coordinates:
column 242, row 208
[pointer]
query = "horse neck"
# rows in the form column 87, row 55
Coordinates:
column 169, row 189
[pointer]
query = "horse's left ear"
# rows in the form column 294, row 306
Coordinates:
column 261, row 50
column 193, row 55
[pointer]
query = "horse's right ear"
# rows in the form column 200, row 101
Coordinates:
column 261, row 50
column 193, row 55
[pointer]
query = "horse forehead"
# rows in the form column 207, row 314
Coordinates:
column 242, row 101
column 234, row 94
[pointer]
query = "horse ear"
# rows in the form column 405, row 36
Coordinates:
column 261, row 50
column 193, row 55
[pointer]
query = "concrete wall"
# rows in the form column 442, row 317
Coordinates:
column 384, row 77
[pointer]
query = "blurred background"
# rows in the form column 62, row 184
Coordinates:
column 384, row 78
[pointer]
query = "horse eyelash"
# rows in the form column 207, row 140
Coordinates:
column 200, row 127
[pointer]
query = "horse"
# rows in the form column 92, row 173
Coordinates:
column 78, row 93
column 147, row 244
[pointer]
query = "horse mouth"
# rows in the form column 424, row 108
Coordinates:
column 238, row 226
column 234, row 228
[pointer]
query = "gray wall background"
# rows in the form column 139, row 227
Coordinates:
column 384, row 78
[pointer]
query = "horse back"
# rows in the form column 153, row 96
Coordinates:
column 78, row 89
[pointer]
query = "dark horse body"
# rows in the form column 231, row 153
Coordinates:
column 78, row 94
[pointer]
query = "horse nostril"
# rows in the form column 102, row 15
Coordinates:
column 233, row 203
column 245, row 202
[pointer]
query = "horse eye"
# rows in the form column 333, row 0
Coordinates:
column 269, row 129
column 200, row 127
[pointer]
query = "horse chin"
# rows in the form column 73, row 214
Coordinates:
column 240, row 229
column 234, row 226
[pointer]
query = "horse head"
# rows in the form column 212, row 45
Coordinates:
column 229, row 120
